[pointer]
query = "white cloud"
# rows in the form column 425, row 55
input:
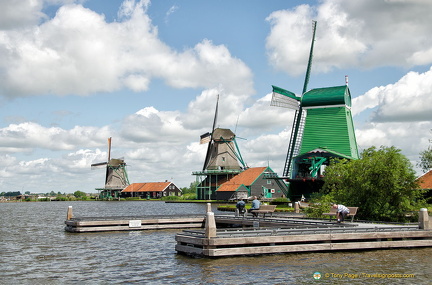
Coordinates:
column 405, row 100
column 20, row 13
column 78, row 52
column 29, row 136
column 365, row 34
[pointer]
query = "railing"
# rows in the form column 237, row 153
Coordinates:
column 292, row 231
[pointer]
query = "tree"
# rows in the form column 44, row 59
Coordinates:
column 426, row 159
column 191, row 189
column 80, row 194
column 381, row 183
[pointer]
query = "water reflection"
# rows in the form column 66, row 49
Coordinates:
column 36, row 249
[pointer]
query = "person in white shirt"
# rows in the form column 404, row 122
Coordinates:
column 341, row 212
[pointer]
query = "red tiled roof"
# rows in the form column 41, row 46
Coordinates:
column 246, row 178
column 147, row 187
column 425, row 181
column 228, row 187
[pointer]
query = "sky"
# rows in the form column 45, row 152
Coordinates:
column 147, row 73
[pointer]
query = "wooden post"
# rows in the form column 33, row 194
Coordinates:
column 69, row 213
column 424, row 219
column 210, row 223
column 297, row 207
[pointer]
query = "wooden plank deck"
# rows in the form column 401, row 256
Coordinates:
column 252, row 242
column 100, row 224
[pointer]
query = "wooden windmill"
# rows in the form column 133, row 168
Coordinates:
column 116, row 178
column 322, row 129
column 223, row 159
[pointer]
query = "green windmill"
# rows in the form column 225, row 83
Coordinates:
column 322, row 129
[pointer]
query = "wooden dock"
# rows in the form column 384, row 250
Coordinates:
column 265, row 241
column 83, row 225
column 301, row 236
column 131, row 223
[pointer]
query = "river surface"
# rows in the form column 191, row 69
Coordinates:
column 35, row 249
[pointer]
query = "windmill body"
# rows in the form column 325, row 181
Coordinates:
column 322, row 129
column 222, row 151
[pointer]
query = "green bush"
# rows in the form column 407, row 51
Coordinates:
column 189, row 196
column 171, row 198
column 319, row 204
column 381, row 183
column 279, row 201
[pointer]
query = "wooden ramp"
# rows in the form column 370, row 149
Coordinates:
column 273, row 240
column 100, row 224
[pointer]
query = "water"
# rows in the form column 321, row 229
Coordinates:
column 35, row 249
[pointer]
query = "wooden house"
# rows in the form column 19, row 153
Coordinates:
column 250, row 182
column 425, row 183
column 152, row 190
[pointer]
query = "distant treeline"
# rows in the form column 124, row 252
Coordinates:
column 11, row 194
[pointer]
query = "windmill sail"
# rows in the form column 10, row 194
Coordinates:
column 206, row 161
column 287, row 99
column 205, row 138
column 284, row 98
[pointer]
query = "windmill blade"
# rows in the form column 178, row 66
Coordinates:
column 205, row 138
column 206, row 161
column 98, row 165
column 284, row 98
column 298, row 124
column 309, row 66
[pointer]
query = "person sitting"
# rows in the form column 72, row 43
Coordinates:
column 255, row 206
column 341, row 212
column 241, row 207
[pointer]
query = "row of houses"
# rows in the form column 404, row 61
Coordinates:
column 250, row 182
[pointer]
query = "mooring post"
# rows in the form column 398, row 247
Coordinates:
column 69, row 213
column 424, row 219
column 210, row 223
column 297, row 207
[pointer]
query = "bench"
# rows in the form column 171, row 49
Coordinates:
column 352, row 213
column 265, row 209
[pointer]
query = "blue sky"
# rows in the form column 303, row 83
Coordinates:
column 147, row 73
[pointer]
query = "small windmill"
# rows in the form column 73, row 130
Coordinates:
column 222, row 162
column 222, row 151
column 116, row 178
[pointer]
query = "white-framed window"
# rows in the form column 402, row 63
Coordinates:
column 269, row 182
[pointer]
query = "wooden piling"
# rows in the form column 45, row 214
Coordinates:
column 297, row 207
column 69, row 213
column 424, row 222
column 210, row 223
